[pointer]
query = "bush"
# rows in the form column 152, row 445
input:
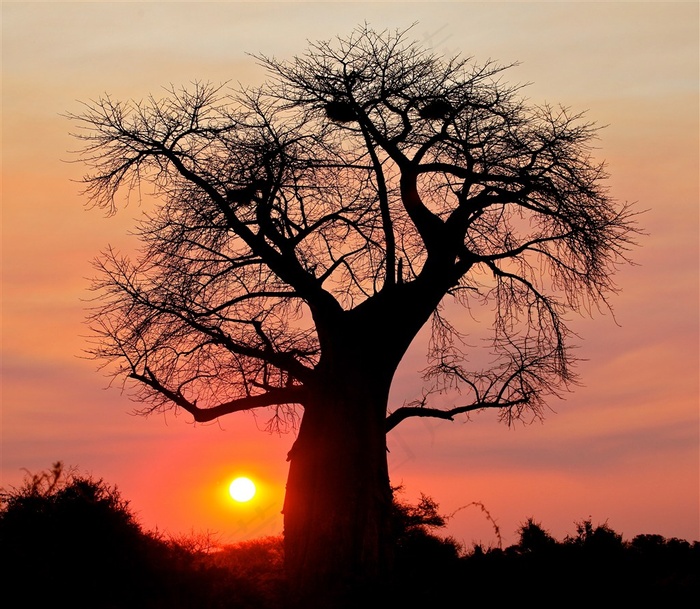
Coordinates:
column 71, row 538
column 600, row 539
column 249, row 574
column 424, row 563
column 533, row 538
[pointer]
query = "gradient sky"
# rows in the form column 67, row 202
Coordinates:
column 622, row 448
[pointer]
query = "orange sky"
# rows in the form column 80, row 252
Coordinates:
column 622, row 448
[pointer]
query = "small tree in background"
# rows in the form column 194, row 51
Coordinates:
column 306, row 230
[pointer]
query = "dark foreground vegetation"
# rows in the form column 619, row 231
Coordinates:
column 71, row 540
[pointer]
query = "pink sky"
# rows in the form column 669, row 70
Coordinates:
column 622, row 448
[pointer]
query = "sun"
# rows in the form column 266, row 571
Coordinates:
column 242, row 489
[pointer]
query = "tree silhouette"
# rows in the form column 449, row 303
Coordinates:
column 306, row 230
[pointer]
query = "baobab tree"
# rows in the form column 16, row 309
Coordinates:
column 307, row 229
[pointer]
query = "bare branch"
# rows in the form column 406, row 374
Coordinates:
column 400, row 414
column 331, row 212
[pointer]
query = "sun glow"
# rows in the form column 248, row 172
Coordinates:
column 242, row 489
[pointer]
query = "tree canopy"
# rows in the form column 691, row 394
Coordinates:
column 367, row 172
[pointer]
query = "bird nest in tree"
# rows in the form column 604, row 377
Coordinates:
column 436, row 109
column 340, row 111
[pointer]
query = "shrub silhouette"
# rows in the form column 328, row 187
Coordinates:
column 71, row 540
column 425, row 564
column 533, row 538
column 601, row 539
column 70, row 536
column 248, row 574
column 414, row 540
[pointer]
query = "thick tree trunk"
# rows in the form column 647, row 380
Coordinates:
column 337, row 509
column 338, row 500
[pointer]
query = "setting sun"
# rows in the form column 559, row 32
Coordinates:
column 242, row 489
